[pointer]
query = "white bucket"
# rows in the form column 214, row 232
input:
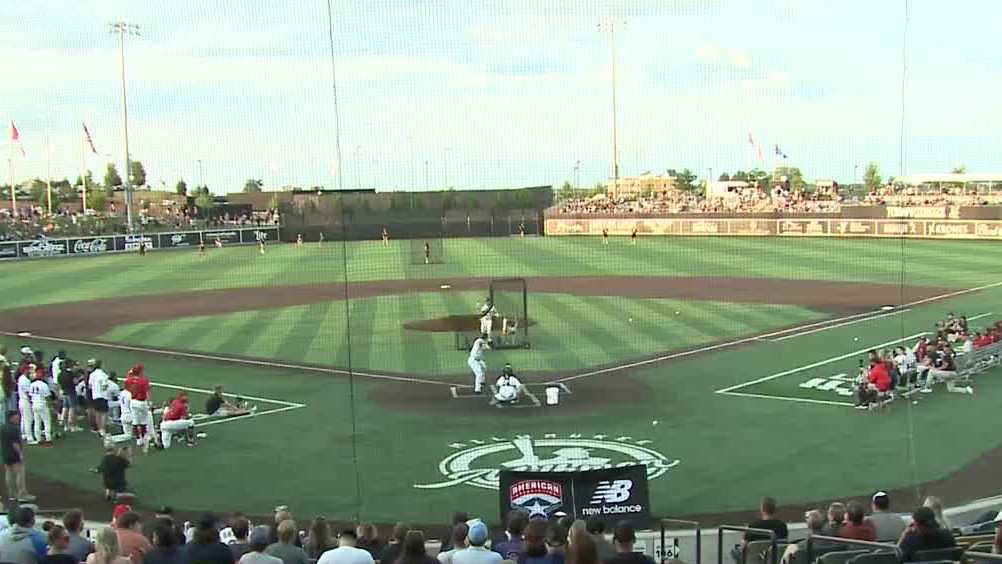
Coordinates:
column 552, row 395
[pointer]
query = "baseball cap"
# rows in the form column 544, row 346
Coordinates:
column 26, row 350
column 478, row 532
column 879, row 495
column 998, row 518
column 119, row 510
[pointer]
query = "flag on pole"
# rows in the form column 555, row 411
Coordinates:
column 758, row 150
column 15, row 137
column 780, row 153
column 89, row 140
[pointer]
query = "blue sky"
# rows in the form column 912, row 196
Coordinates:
column 498, row 94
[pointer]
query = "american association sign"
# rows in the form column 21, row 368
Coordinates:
column 478, row 462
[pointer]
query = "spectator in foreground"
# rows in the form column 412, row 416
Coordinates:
column 997, row 545
column 534, row 546
column 511, row 546
column 414, row 551
column 458, row 518
column 59, row 541
column 556, row 543
column 319, row 540
column 767, row 520
column 857, row 527
column 258, row 542
column 624, row 536
column 889, row 526
column 107, row 549
column 112, row 468
column 240, row 544
column 205, row 546
column 475, row 553
column 284, row 549
column 581, row 549
column 165, row 545
column 131, row 542
column 368, row 539
column 79, row 546
column 11, row 448
column 21, row 544
column 923, row 534
column 836, row 516
column 457, row 540
column 596, row 528
column 392, row 550
column 347, row 551
column 815, row 521
column 934, row 503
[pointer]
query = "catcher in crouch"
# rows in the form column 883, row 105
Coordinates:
column 509, row 388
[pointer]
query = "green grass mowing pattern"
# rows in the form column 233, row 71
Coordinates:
column 951, row 263
column 571, row 332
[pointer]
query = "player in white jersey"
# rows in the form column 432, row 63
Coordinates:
column 98, row 384
column 125, row 410
column 24, row 403
column 41, row 417
column 113, row 390
column 476, row 362
column 508, row 387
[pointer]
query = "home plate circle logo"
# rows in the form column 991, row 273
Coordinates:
column 478, row 462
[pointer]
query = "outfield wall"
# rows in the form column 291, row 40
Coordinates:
column 818, row 227
column 102, row 244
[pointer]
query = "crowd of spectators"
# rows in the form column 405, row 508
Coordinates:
column 889, row 373
column 33, row 222
column 927, row 529
column 746, row 200
column 163, row 539
column 891, row 195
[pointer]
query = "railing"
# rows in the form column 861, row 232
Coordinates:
column 699, row 536
column 845, row 542
column 771, row 536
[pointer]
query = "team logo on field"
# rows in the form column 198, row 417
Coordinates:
column 478, row 462
column 540, row 498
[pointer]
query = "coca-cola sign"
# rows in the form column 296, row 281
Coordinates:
column 90, row 246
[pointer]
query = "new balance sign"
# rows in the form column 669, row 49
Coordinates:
column 609, row 494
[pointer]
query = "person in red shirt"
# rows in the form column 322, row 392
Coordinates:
column 177, row 419
column 139, row 386
column 857, row 526
column 872, row 383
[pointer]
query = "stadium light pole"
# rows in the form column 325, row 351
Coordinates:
column 201, row 179
column 445, row 151
column 123, row 28
column 609, row 26
column 577, row 177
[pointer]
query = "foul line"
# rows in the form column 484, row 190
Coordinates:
column 236, row 360
column 204, row 391
column 843, row 324
column 785, row 398
column 248, row 416
column 815, row 364
column 752, row 339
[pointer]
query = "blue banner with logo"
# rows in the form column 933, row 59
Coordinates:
column 609, row 494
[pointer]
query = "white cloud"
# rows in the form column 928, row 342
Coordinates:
column 713, row 54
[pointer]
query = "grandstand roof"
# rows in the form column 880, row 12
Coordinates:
column 961, row 178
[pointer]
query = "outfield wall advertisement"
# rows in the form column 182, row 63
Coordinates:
column 821, row 227
column 103, row 244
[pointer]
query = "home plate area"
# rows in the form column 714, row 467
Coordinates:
column 533, row 395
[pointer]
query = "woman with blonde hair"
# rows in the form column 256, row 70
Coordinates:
column 936, row 504
column 106, row 549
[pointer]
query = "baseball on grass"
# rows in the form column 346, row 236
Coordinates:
column 630, row 320
column 677, row 312
column 655, row 422
column 855, row 338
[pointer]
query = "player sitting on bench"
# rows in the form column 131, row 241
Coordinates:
column 508, row 387
column 217, row 406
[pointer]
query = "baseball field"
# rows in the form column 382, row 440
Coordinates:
column 724, row 364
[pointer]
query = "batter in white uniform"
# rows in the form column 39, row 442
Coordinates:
column 476, row 362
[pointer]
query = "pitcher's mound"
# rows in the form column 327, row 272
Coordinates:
column 450, row 324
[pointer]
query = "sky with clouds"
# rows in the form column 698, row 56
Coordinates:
column 501, row 93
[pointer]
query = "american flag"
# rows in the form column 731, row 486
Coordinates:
column 89, row 140
column 15, row 137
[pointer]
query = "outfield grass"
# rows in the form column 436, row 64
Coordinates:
column 731, row 449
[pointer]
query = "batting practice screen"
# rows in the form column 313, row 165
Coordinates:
column 427, row 251
column 510, row 299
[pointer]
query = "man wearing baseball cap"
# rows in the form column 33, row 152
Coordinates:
column 475, row 552
column 889, row 525
column 347, row 551
column 624, row 537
